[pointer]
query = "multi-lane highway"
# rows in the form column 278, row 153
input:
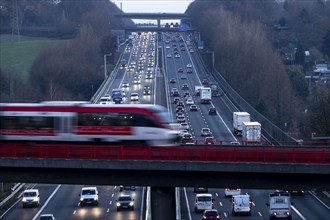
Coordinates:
column 143, row 62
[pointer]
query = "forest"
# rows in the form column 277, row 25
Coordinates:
column 250, row 40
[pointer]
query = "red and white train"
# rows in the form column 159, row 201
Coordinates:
column 83, row 122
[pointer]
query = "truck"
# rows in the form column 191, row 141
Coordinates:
column 251, row 132
column 215, row 89
column 117, row 96
column 279, row 206
column 198, row 90
column 238, row 119
column 205, row 94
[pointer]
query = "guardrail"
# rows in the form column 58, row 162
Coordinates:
column 259, row 154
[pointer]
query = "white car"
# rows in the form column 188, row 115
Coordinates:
column 169, row 55
column 189, row 65
column 47, row 217
column 134, row 96
column 190, row 102
column 125, row 85
column 232, row 192
column 184, row 126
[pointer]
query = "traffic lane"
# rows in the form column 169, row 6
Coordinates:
column 307, row 206
column 18, row 212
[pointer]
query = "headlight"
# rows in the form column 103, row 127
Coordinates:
column 36, row 199
column 24, row 199
column 81, row 199
column 118, row 204
column 131, row 203
column 96, row 198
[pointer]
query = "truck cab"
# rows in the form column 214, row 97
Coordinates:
column 117, row 96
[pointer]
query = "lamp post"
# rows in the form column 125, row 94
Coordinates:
column 105, row 64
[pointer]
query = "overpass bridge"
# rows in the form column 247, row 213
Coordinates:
column 175, row 166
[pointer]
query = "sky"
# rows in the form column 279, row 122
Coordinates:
column 169, row 6
column 155, row 6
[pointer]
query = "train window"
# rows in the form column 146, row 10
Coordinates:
column 27, row 122
column 143, row 121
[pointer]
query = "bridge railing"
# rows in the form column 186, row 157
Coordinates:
column 258, row 154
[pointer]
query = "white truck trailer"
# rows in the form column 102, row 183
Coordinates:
column 251, row 132
column 238, row 119
column 279, row 206
column 206, row 96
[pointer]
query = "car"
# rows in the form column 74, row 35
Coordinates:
column 212, row 111
column 168, row 55
column 179, row 109
column 134, row 96
column 181, row 118
column 125, row 85
column 147, row 87
column 47, row 217
column 130, row 188
column 183, row 76
column 190, row 101
column 30, row 198
column 89, row 196
column 176, row 100
column 174, row 90
column 146, row 92
column 180, row 70
column 137, row 80
column 185, row 87
column 180, row 103
column 189, row 65
column 172, row 80
column 193, row 108
column 206, row 132
column 179, row 114
column 211, row 214
column 183, row 132
column 176, row 94
column 209, row 140
column 229, row 192
column 187, row 138
column 177, row 56
column 189, row 70
column 184, row 126
column 105, row 100
column 167, row 47
column 125, row 202
column 200, row 189
column 149, row 76
column 205, row 81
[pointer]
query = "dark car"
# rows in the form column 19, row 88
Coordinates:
column 193, row 108
column 187, row 138
column 180, row 70
column 212, row 111
column 176, row 100
column 125, row 202
column 185, row 87
column 205, row 81
column 172, row 80
column 211, row 214
column 209, row 140
column 130, row 188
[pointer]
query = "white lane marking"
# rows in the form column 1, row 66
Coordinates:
column 253, row 204
column 259, row 213
column 108, row 210
column 74, row 212
column 187, row 203
column 217, row 194
column 298, row 213
column 112, row 195
column 110, row 202
column 225, row 214
column 46, row 203
column 220, row 203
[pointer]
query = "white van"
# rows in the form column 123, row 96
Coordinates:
column 89, row 196
column 241, row 204
column 31, row 198
column 203, row 202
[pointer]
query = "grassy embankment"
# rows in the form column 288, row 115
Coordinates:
column 18, row 55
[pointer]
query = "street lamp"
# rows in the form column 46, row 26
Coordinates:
column 105, row 64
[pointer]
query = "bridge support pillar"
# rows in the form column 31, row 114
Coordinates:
column 163, row 203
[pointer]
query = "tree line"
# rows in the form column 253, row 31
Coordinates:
column 242, row 35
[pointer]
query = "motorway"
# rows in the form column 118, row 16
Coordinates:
column 63, row 200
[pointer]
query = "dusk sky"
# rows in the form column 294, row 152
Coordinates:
column 153, row 5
